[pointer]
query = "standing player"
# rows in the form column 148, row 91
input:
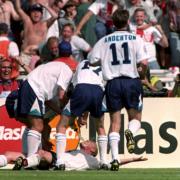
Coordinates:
column 43, row 84
column 119, row 53
column 87, row 96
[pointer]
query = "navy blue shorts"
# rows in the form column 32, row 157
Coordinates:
column 28, row 103
column 87, row 97
column 124, row 92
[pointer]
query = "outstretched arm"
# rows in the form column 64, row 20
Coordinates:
column 133, row 159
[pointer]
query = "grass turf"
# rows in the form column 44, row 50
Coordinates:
column 122, row 174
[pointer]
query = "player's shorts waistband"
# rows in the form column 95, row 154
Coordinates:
column 125, row 77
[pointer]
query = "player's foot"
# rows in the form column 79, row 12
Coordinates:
column 103, row 167
column 115, row 165
column 60, row 167
column 18, row 163
column 130, row 141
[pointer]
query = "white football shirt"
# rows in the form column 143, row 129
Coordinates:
column 78, row 160
column 47, row 78
column 150, row 36
column 119, row 54
column 86, row 74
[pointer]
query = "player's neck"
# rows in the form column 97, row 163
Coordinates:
column 123, row 29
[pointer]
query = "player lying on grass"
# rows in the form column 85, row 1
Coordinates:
column 83, row 159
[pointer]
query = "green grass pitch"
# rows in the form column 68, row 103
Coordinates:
column 122, row 174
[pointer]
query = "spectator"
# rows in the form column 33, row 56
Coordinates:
column 54, row 30
column 50, row 50
column 7, row 12
column 8, row 48
column 103, row 9
column 70, row 14
column 35, row 30
column 88, row 30
column 65, row 52
column 174, row 26
column 7, row 84
column 78, row 44
column 150, row 35
column 132, row 5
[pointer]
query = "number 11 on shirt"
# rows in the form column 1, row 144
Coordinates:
column 114, row 54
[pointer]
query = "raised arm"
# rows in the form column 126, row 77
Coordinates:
column 83, row 21
column 14, row 14
column 53, row 14
column 21, row 12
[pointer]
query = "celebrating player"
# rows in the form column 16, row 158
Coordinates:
column 87, row 96
column 42, row 85
column 119, row 53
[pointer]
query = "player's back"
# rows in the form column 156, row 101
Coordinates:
column 119, row 54
column 86, row 74
column 46, row 78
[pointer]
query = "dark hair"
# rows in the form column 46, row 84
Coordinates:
column 52, row 39
column 3, row 28
column 120, row 18
column 140, row 9
column 68, row 25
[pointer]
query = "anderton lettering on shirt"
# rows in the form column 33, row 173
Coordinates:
column 124, row 37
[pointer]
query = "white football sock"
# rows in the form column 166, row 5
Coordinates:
column 134, row 125
column 33, row 160
column 102, row 144
column 60, row 147
column 114, row 139
column 24, row 141
column 33, row 142
column 3, row 161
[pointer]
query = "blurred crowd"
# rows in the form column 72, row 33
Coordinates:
column 33, row 32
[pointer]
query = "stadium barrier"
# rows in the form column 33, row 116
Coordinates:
column 157, row 140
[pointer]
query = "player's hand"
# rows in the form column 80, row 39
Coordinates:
column 77, row 32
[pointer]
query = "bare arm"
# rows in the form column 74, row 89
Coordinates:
column 133, row 159
column 53, row 14
column 24, row 66
column 14, row 14
column 83, row 22
column 21, row 13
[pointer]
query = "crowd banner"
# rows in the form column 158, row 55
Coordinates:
column 158, row 139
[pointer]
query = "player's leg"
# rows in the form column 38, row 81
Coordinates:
column 114, row 138
column 9, row 157
column 31, row 109
column 102, row 142
column 61, row 140
column 114, row 105
column 133, row 127
column 36, row 159
column 133, row 104
column 36, row 126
